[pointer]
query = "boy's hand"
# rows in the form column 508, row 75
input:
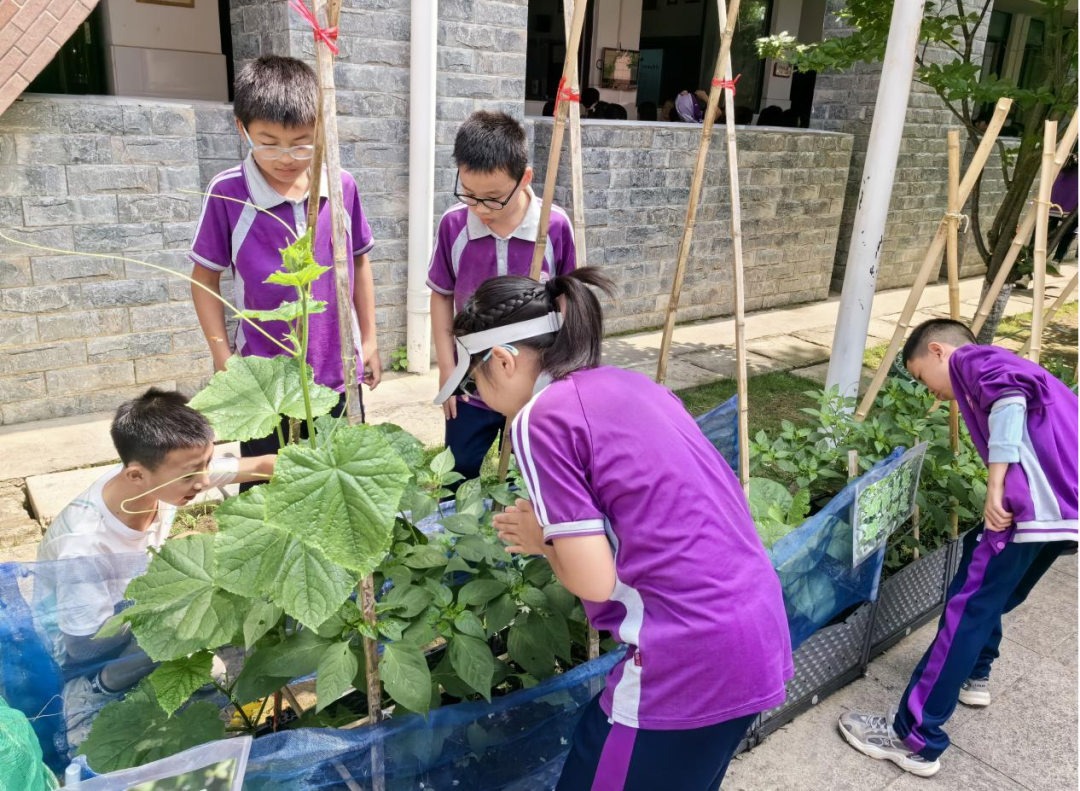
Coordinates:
column 995, row 516
column 372, row 364
column 221, row 354
column 518, row 527
column 449, row 408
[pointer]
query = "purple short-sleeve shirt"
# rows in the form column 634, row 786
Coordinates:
column 233, row 235
column 467, row 252
column 609, row 452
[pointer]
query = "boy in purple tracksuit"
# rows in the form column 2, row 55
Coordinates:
column 1023, row 422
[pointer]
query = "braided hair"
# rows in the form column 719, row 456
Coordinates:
column 512, row 299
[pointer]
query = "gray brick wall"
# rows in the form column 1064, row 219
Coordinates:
column 845, row 102
column 97, row 176
column 637, row 183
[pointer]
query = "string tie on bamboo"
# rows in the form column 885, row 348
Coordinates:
column 1052, row 205
column 728, row 84
column 963, row 222
column 565, row 94
column 327, row 35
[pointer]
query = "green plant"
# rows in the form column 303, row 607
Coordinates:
column 775, row 511
column 278, row 575
column 399, row 358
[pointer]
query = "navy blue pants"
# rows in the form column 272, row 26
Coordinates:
column 969, row 633
column 611, row 757
column 470, row 435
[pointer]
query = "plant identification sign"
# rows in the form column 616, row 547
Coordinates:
column 884, row 502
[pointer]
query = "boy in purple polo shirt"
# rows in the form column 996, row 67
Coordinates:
column 259, row 207
column 1023, row 422
column 490, row 232
column 643, row 520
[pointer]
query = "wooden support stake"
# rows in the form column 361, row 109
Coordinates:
column 915, row 531
column 330, row 10
column 852, row 464
column 1023, row 232
column 932, row 260
column 952, row 254
column 1051, row 312
column 577, row 177
column 1042, row 221
column 723, row 66
column 551, row 175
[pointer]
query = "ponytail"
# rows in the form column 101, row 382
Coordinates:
column 511, row 299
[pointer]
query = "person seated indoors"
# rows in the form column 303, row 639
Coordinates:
column 166, row 453
column 771, row 116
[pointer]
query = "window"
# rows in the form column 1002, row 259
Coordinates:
column 79, row 66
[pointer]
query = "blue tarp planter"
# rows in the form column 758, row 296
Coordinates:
column 518, row 741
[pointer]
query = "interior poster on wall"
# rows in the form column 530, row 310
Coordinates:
column 620, row 69
column 884, row 503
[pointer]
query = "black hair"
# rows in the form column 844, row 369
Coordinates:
column 549, row 109
column 771, row 116
column 510, row 299
column 589, row 97
column 744, row 116
column 491, row 141
column 146, row 428
column 947, row 331
column 276, row 90
column 646, row 111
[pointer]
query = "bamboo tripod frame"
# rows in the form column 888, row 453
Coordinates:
column 1023, row 231
column 952, row 254
column 1051, row 311
column 932, row 258
column 1042, row 220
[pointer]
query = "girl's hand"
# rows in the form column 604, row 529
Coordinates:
column 371, row 363
column 519, row 528
column 995, row 516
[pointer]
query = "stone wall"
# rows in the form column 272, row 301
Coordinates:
column 97, row 176
column 637, row 183
column 845, row 102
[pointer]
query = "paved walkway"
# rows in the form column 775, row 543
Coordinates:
column 1026, row 740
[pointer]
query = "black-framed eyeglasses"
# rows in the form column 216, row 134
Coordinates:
column 491, row 203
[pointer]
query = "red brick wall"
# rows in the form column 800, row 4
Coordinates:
column 31, row 33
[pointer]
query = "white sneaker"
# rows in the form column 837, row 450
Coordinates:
column 872, row 735
column 975, row 692
column 82, row 702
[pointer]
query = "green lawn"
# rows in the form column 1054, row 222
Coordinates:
column 773, row 397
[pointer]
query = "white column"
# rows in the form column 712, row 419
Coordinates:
column 875, row 190
column 423, row 48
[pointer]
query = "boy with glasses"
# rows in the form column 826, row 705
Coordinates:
column 259, row 207
column 489, row 233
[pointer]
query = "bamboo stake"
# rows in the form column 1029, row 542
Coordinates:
column 1023, row 233
column 723, row 66
column 953, row 261
column 915, row 531
column 315, row 176
column 1051, row 311
column 569, row 81
column 330, row 10
column 852, row 464
column 577, row 178
column 1042, row 221
column 728, row 24
column 933, row 257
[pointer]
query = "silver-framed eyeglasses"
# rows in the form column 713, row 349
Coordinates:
column 299, row 153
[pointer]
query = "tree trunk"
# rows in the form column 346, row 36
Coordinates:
column 997, row 312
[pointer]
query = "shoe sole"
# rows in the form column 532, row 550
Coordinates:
column 975, row 699
column 879, row 754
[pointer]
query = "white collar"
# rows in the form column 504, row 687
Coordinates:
column 266, row 197
column 526, row 229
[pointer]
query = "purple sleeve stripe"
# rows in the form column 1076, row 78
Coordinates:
column 439, row 290
column 365, row 249
column 198, row 259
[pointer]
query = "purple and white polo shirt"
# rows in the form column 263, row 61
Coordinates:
column 232, row 234
column 467, row 252
column 609, row 452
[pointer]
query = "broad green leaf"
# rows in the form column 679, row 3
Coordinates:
column 473, row 662
column 308, row 586
column 420, row 633
column 538, row 572
column 336, row 624
column 179, row 609
column 458, row 564
column 136, row 731
column 426, row 556
column 341, row 498
column 247, row 399
column 261, row 618
column 558, row 633
column 286, row 311
column 248, row 551
column 405, row 674
column 445, row 675
column 407, row 601
column 297, row 655
column 530, row 646
column 560, row 600
column 474, row 549
column 407, row 446
column 441, row 595
column 391, row 628
column 300, row 279
column 467, row 623
column 254, row 682
column 461, row 524
column 480, row 592
column 337, row 668
column 174, row 681
column 534, row 598
column 500, row 612
column 443, row 464
column 325, row 428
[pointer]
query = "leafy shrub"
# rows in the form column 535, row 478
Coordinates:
column 775, row 512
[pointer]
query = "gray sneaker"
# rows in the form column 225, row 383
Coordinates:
column 81, row 705
column 872, row 735
column 975, row 692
